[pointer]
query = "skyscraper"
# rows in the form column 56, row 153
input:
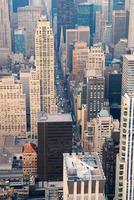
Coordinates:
column 34, row 100
column 86, row 17
column 44, row 60
column 114, row 93
column 28, row 17
column 65, row 18
column 95, row 95
column 54, row 139
column 125, row 159
column 128, row 74
column 5, row 32
column 19, row 41
column 131, row 25
column 118, row 25
column 17, row 3
column 42, row 78
column 25, row 80
column 80, row 57
column 96, row 61
column 82, row 33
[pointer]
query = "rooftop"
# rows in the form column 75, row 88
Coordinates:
column 83, row 167
column 29, row 148
column 104, row 113
column 8, row 149
column 130, row 57
column 43, row 117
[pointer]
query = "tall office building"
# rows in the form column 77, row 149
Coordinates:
column 83, row 177
column 25, row 80
column 65, row 18
column 15, row 4
column 5, row 31
column 82, row 33
column 44, row 60
column 96, row 61
column 103, row 126
column 100, row 24
column 125, row 159
column 12, row 107
column 19, row 41
column 114, row 93
column 28, row 17
column 95, row 95
column 131, row 25
column 128, row 75
column 118, row 25
column 110, row 151
column 80, row 57
column 54, row 139
column 42, row 79
column 105, row 9
column 34, row 100
column 86, row 17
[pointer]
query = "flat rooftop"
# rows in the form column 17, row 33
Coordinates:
column 8, row 148
column 83, row 167
column 130, row 57
column 43, row 117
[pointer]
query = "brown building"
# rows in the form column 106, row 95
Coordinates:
column 80, row 58
column 54, row 139
column 30, row 159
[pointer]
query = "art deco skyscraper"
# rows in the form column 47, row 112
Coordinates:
column 131, row 26
column 44, row 56
column 42, row 79
column 5, row 32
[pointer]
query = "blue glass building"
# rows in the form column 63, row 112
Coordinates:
column 86, row 14
column 19, row 3
column 19, row 41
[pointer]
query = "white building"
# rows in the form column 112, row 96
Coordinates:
column 42, row 96
column 125, row 159
column 83, row 177
column 128, row 74
column 12, row 107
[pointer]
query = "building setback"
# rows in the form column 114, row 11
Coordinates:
column 83, row 177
